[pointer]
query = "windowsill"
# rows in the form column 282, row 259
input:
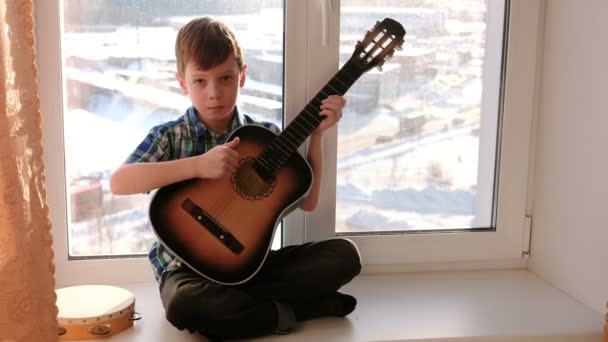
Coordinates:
column 495, row 305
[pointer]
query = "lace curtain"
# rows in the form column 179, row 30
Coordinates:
column 27, row 296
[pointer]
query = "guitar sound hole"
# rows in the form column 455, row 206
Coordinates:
column 248, row 183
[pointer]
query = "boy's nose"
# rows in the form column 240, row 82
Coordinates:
column 215, row 91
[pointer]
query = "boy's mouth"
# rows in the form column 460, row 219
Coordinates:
column 215, row 108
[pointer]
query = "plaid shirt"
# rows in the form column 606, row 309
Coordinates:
column 182, row 138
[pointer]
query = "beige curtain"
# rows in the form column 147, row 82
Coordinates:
column 27, row 297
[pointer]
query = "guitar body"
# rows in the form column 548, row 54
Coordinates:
column 223, row 228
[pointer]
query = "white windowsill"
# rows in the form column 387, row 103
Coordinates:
column 494, row 305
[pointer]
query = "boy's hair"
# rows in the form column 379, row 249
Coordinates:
column 207, row 42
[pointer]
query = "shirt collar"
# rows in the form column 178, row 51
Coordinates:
column 237, row 121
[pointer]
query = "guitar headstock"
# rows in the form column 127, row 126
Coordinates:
column 379, row 44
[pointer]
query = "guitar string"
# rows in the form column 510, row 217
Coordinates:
column 224, row 206
column 340, row 78
column 214, row 208
column 293, row 131
column 217, row 207
column 227, row 204
column 281, row 145
column 285, row 147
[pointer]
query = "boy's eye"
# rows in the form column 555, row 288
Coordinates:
column 199, row 81
column 227, row 78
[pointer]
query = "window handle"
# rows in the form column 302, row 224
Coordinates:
column 325, row 6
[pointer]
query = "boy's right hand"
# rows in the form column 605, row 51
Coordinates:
column 219, row 161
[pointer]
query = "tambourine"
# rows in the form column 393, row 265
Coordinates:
column 89, row 312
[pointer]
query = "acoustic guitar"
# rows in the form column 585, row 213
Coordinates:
column 223, row 228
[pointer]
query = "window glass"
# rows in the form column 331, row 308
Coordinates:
column 118, row 66
column 417, row 143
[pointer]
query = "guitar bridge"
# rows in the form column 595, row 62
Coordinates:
column 213, row 227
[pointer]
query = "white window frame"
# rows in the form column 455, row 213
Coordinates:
column 67, row 272
column 311, row 56
column 430, row 251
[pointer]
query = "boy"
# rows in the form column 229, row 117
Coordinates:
column 296, row 282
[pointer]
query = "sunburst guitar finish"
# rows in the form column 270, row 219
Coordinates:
column 244, row 205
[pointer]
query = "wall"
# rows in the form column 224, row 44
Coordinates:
column 570, row 227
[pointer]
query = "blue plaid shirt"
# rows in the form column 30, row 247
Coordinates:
column 182, row 138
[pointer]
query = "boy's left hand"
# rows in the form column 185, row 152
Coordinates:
column 331, row 108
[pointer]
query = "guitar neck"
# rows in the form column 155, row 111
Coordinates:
column 308, row 119
column 294, row 135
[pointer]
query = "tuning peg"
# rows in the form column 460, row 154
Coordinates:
column 389, row 56
column 380, row 66
column 400, row 46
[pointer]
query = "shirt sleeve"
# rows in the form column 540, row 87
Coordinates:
column 155, row 147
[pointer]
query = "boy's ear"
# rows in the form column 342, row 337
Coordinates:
column 182, row 83
column 243, row 75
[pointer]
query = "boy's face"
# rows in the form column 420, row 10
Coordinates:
column 214, row 91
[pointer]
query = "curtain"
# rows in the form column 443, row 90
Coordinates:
column 27, row 297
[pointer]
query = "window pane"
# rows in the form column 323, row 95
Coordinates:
column 119, row 69
column 417, row 143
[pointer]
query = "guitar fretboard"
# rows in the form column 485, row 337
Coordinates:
column 294, row 135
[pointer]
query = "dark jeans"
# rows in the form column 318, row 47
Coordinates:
column 291, row 274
